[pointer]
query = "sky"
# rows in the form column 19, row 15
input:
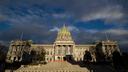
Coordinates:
column 88, row 20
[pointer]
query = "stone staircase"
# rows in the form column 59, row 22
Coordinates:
column 52, row 67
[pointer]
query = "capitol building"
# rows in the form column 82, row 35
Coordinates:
column 63, row 49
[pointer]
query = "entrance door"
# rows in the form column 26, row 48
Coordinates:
column 64, row 58
column 58, row 58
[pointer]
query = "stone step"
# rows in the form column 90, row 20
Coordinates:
column 52, row 67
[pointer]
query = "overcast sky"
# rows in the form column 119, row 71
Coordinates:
column 88, row 20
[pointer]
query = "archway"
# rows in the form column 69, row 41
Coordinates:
column 58, row 58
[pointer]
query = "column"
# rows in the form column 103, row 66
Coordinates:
column 68, row 49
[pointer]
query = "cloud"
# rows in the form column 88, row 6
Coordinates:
column 117, row 31
column 85, row 10
column 55, row 29
column 109, row 13
column 63, row 15
column 71, row 28
column 41, row 19
column 92, row 30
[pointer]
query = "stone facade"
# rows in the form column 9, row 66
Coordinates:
column 63, row 47
column 105, row 49
column 16, row 50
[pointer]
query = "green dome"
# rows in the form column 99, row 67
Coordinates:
column 64, row 34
